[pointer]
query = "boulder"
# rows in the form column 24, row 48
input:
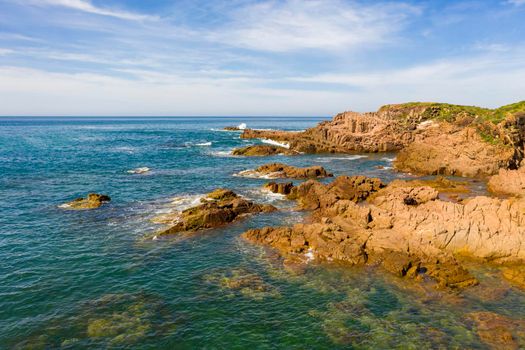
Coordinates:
column 92, row 201
column 279, row 187
column 508, row 182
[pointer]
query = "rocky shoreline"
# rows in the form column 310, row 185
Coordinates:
column 422, row 229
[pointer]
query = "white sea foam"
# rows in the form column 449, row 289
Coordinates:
column 350, row 157
column 276, row 143
column 64, row 206
column 387, row 159
column 203, row 144
column 221, row 153
column 140, row 170
column 184, row 202
column 242, row 126
column 309, row 255
column 251, row 173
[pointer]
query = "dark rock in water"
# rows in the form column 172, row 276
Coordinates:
column 262, row 150
column 232, row 128
column 219, row 207
column 92, row 201
column 279, row 187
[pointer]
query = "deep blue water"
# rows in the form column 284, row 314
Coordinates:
column 91, row 279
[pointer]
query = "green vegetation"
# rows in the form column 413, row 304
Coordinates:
column 453, row 113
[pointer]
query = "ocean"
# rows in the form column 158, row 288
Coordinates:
column 93, row 279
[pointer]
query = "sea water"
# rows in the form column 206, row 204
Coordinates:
column 93, row 279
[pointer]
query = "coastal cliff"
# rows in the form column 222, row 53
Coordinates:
column 432, row 138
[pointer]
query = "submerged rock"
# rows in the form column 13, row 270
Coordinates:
column 92, row 201
column 262, row 150
column 515, row 274
column 242, row 282
column 279, row 187
column 498, row 331
column 219, row 207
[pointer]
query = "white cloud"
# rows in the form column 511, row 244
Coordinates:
column 87, row 6
column 516, row 2
column 290, row 25
column 5, row 52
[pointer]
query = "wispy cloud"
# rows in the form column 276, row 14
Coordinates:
column 87, row 6
column 516, row 2
column 5, row 52
column 329, row 24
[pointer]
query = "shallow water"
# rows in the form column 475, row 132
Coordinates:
column 89, row 279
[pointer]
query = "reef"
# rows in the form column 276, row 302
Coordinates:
column 218, row 208
column 280, row 170
column 92, row 201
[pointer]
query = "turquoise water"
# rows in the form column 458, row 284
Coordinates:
column 90, row 279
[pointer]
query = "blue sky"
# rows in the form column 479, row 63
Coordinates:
column 243, row 57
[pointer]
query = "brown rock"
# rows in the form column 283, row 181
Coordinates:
column 92, row 201
column 279, row 187
column 433, row 138
column 508, row 182
column 461, row 153
column 262, row 150
column 220, row 207
column 313, row 194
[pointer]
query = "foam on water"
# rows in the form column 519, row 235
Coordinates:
column 276, row 143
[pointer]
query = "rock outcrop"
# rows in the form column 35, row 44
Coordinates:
column 92, row 201
column 280, row 170
column 262, row 150
column 279, row 187
column 433, row 138
column 460, row 152
column 311, row 195
column 404, row 227
column 508, row 182
column 219, row 207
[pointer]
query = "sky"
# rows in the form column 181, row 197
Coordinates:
column 249, row 58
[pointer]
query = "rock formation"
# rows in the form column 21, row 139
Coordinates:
column 433, row 138
column 279, row 187
column 262, row 150
column 219, row 207
column 508, row 182
column 280, row 170
column 404, row 227
column 92, row 201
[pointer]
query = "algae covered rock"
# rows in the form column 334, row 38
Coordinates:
column 241, row 282
column 219, row 207
column 92, row 201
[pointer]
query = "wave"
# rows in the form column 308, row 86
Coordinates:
column 204, row 144
column 221, row 154
column 242, row 126
column 140, row 170
column 252, row 174
column 276, row 143
column 329, row 159
column 387, row 159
